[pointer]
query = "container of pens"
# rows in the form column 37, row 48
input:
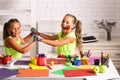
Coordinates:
column 105, row 59
column 6, row 59
column 85, row 60
column 85, row 57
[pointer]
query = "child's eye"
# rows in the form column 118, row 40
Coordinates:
column 67, row 22
column 18, row 28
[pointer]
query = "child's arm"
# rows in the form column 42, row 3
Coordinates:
column 10, row 43
column 60, row 42
column 26, row 39
column 45, row 36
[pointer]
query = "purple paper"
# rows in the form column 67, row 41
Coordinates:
column 91, row 60
column 22, row 62
column 4, row 73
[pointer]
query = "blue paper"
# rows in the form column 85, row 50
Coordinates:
column 22, row 62
column 4, row 73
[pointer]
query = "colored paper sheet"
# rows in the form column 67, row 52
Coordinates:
column 33, row 73
column 85, row 67
column 4, row 73
column 32, row 66
column 22, row 62
column 56, row 60
column 80, row 72
column 60, row 71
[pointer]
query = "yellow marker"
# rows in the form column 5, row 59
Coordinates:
column 52, row 63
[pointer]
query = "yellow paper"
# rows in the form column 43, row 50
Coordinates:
column 37, row 67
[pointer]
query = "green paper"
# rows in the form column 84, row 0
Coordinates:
column 60, row 71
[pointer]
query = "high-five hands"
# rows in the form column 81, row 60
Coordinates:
column 35, row 36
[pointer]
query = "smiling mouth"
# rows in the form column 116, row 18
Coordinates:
column 66, row 28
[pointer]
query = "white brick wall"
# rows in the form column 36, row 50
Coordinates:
column 84, row 10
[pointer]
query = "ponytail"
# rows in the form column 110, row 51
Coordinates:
column 78, row 33
column 5, row 31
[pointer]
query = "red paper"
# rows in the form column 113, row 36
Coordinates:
column 56, row 60
column 81, row 72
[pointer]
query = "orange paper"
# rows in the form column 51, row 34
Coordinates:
column 33, row 73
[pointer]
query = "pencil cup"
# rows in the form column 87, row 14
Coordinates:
column 6, row 59
column 85, row 60
column 105, row 59
column 78, row 62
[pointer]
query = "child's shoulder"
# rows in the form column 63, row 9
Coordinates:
column 9, row 39
column 71, row 34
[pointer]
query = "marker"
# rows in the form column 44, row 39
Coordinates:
column 81, row 53
column 48, row 66
column 88, row 53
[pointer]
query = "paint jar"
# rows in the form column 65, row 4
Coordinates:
column 78, row 62
column 96, row 61
column 44, row 59
column 34, row 60
column 41, row 60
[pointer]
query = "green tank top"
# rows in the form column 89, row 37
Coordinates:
column 67, row 49
column 11, row 51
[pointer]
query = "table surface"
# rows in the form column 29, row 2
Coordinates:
column 111, row 73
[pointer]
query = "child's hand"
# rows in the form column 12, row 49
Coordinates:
column 36, row 37
column 34, row 31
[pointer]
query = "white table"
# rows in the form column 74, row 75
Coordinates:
column 111, row 73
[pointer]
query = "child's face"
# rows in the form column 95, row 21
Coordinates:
column 67, row 24
column 15, row 29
